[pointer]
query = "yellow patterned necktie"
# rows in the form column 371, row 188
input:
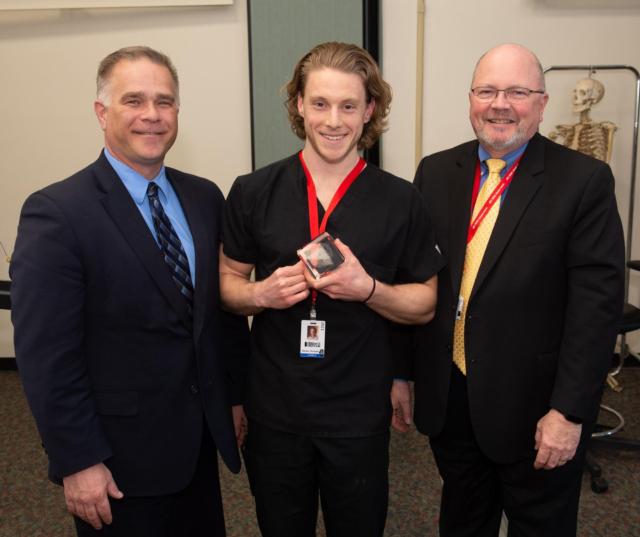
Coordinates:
column 474, row 254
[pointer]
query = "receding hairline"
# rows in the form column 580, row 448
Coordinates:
column 534, row 60
column 122, row 62
column 132, row 54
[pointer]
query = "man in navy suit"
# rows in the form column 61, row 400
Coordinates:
column 129, row 365
column 509, row 374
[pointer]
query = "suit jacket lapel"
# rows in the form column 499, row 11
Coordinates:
column 122, row 209
column 460, row 192
column 521, row 191
column 191, row 207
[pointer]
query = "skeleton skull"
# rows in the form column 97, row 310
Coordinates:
column 587, row 92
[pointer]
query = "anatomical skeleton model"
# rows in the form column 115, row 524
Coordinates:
column 589, row 137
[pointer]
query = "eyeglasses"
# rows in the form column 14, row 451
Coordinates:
column 487, row 93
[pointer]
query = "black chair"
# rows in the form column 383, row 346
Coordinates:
column 605, row 436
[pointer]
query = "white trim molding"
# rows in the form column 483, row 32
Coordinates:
column 19, row 5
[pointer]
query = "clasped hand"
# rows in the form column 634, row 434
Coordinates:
column 282, row 289
column 289, row 285
column 348, row 282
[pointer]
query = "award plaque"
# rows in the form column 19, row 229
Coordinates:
column 321, row 255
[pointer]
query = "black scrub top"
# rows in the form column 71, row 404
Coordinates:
column 385, row 222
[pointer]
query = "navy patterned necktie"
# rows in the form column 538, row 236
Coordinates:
column 171, row 247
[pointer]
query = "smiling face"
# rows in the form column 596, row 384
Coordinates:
column 335, row 109
column 140, row 117
column 500, row 125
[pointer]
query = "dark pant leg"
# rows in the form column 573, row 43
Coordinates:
column 542, row 502
column 195, row 511
column 353, row 477
column 471, row 504
column 282, row 474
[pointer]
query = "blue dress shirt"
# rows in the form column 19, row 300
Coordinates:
column 137, row 186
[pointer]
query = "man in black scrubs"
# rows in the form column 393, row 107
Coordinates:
column 319, row 421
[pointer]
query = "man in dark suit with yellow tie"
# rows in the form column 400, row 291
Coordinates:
column 129, row 365
column 509, row 374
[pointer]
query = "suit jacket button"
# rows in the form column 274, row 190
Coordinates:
column 193, row 389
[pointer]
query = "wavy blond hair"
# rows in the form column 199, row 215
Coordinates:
column 347, row 58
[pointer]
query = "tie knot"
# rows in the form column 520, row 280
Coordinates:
column 152, row 190
column 495, row 165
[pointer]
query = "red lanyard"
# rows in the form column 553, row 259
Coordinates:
column 312, row 199
column 314, row 228
column 495, row 195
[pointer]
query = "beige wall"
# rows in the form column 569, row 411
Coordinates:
column 458, row 31
column 48, row 61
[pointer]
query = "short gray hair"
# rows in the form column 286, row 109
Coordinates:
column 131, row 54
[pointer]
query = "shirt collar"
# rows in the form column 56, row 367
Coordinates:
column 135, row 183
column 509, row 158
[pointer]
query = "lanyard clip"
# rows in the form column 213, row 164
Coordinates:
column 314, row 299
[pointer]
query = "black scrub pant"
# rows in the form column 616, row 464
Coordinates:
column 538, row 503
column 195, row 511
column 288, row 473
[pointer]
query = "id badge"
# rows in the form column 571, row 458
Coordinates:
column 312, row 339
